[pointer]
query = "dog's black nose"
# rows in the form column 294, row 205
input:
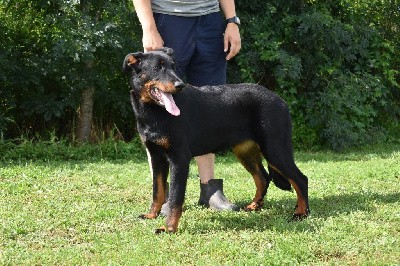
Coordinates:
column 179, row 85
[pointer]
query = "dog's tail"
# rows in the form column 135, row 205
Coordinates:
column 279, row 181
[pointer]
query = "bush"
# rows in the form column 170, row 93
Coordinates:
column 336, row 63
column 44, row 60
column 331, row 68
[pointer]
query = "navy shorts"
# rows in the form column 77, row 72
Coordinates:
column 198, row 44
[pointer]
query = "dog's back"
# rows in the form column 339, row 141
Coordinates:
column 217, row 117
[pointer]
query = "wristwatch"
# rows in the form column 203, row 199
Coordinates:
column 234, row 19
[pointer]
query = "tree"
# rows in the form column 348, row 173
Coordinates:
column 335, row 62
column 74, row 51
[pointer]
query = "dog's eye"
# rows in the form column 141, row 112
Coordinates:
column 157, row 67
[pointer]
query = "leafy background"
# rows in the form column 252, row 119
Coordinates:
column 336, row 63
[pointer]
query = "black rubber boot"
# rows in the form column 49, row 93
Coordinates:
column 212, row 196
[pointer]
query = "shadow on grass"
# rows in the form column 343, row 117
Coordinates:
column 276, row 215
column 346, row 203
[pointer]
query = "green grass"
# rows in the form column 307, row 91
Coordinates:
column 65, row 205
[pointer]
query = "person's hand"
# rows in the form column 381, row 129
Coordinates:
column 152, row 40
column 232, row 41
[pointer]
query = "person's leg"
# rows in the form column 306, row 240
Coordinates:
column 205, row 165
column 208, row 67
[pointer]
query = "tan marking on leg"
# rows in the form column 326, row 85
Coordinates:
column 172, row 221
column 158, row 200
column 161, row 193
column 249, row 154
column 160, row 196
column 301, row 208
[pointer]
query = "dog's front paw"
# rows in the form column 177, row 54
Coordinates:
column 254, row 206
column 300, row 215
column 148, row 216
column 163, row 229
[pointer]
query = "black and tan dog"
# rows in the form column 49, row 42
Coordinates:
column 177, row 122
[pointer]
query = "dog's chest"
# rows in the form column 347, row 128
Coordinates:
column 153, row 131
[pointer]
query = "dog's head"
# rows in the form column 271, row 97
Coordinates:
column 153, row 77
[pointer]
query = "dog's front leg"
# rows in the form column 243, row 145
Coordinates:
column 159, row 170
column 179, row 165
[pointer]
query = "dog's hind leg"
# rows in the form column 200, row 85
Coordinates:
column 300, row 184
column 275, row 140
column 159, row 169
column 249, row 154
column 279, row 181
column 281, row 161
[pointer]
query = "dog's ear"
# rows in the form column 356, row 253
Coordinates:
column 132, row 62
column 168, row 51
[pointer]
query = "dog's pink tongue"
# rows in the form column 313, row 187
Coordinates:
column 170, row 104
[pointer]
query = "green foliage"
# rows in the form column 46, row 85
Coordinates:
column 54, row 49
column 63, row 150
column 336, row 71
column 336, row 63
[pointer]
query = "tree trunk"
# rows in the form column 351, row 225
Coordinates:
column 85, row 111
column 85, row 115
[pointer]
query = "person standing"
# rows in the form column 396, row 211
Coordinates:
column 202, row 42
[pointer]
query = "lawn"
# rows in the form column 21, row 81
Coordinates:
column 66, row 205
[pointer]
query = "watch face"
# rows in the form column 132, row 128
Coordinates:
column 237, row 20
